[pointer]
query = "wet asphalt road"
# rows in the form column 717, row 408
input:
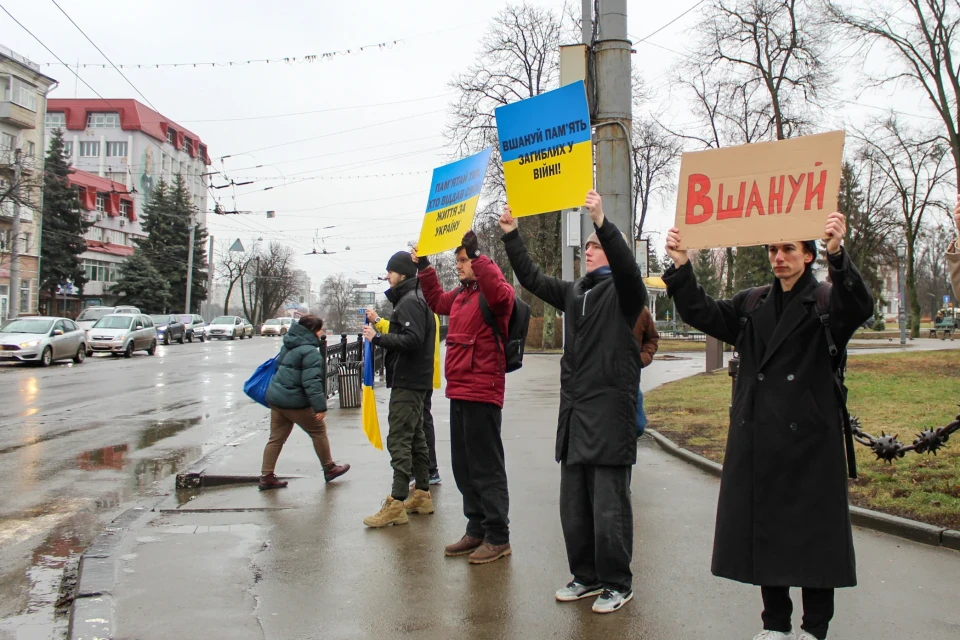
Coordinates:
column 78, row 443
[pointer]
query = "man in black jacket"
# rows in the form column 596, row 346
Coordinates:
column 596, row 431
column 783, row 518
column 409, row 344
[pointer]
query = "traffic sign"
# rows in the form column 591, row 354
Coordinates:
column 361, row 312
column 946, row 299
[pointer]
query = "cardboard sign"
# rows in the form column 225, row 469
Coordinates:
column 759, row 193
column 453, row 199
column 547, row 152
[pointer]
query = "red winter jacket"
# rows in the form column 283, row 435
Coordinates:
column 475, row 363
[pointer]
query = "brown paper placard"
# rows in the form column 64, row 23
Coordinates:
column 759, row 193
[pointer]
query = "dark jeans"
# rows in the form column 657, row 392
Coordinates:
column 480, row 470
column 778, row 607
column 597, row 521
column 429, row 433
column 406, row 442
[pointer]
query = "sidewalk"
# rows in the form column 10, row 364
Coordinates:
column 298, row 562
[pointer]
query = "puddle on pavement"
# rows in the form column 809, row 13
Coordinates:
column 35, row 598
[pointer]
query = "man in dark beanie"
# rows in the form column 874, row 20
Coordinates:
column 409, row 346
column 783, row 518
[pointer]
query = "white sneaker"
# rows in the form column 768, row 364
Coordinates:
column 610, row 600
column 576, row 591
column 806, row 636
column 775, row 635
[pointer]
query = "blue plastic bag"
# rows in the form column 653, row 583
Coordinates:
column 256, row 386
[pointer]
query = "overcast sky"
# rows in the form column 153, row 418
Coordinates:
column 378, row 113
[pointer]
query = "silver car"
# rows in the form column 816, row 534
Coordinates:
column 196, row 327
column 42, row 340
column 89, row 316
column 122, row 334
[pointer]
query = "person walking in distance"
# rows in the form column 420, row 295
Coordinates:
column 475, row 370
column 382, row 325
column 783, row 518
column 596, row 442
column 297, row 395
column 645, row 331
column 409, row 349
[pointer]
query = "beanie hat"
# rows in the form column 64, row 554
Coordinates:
column 810, row 246
column 401, row 263
column 595, row 240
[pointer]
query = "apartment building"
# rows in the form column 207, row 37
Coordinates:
column 23, row 99
column 129, row 143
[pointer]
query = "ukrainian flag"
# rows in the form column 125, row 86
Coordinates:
column 546, row 149
column 368, row 403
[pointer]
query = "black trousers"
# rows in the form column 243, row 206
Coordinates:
column 778, row 607
column 480, row 470
column 428, row 431
column 597, row 521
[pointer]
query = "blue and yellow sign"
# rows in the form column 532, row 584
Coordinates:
column 454, row 194
column 546, row 150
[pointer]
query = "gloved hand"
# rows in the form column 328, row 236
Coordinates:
column 471, row 245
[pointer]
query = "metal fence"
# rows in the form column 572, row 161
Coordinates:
column 344, row 351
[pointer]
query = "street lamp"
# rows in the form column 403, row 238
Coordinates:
column 902, row 315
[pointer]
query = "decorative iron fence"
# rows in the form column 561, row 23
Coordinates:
column 344, row 351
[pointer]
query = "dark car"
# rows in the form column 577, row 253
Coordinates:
column 169, row 328
column 196, row 327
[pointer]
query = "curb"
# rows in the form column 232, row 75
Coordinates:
column 860, row 517
column 91, row 615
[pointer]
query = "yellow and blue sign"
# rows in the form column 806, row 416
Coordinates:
column 454, row 194
column 546, row 150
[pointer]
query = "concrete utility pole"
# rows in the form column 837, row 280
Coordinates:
column 15, row 239
column 613, row 116
column 193, row 227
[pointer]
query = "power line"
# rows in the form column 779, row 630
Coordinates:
column 647, row 37
column 105, row 57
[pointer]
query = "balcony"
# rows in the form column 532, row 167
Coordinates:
column 17, row 116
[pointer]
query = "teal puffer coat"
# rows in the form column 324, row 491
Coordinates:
column 299, row 381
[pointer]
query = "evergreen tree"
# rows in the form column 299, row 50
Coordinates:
column 751, row 268
column 140, row 284
column 63, row 225
column 706, row 273
column 184, row 211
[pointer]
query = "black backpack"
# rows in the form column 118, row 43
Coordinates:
column 516, row 330
column 754, row 297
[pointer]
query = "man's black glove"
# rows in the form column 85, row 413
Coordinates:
column 422, row 263
column 471, row 245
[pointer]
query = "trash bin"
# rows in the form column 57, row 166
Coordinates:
column 349, row 374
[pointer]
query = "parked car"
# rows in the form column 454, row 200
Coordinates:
column 232, row 327
column 122, row 334
column 274, row 327
column 89, row 316
column 169, row 328
column 247, row 328
column 196, row 327
column 41, row 340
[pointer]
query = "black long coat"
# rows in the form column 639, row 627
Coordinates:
column 600, row 368
column 783, row 518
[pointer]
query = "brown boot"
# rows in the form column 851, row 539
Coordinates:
column 466, row 544
column 269, row 481
column 420, row 502
column 334, row 471
column 489, row 552
column 392, row 512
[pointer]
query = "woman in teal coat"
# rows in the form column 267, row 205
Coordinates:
column 296, row 395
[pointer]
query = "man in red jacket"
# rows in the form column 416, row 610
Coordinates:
column 475, row 368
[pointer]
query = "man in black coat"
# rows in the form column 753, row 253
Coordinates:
column 409, row 345
column 596, row 431
column 783, row 519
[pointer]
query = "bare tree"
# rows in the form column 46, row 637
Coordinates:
column 654, row 156
column 231, row 266
column 916, row 166
column 933, row 279
column 277, row 282
column 922, row 37
column 338, row 297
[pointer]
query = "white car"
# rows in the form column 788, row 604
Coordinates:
column 89, row 316
column 229, row 327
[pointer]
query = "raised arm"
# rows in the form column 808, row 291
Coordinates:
column 495, row 289
column 851, row 302
column 551, row 290
column 623, row 266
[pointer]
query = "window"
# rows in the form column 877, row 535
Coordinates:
column 99, row 271
column 124, row 208
column 115, row 237
column 164, row 162
column 172, row 137
column 31, row 149
column 24, row 296
column 55, row 120
column 25, row 240
column 7, row 142
column 71, row 326
column 20, row 93
column 4, row 240
column 107, row 120
column 68, row 149
column 187, row 144
column 89, row 149
column 95, row 233
column 116, row 149
column 101, row 203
